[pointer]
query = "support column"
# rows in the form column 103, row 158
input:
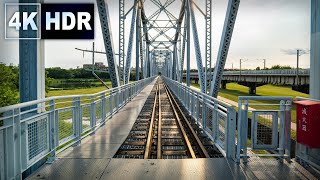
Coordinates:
column 315, row 51
column 31, row 62
column 137, row 42
column 309, row 155
column 224, row 84
column 188, row 42
column 252, row 88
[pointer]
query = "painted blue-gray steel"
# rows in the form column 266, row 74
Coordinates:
column 197, row 49
column 188, row 41
column 108, row 41
column 129, row 50
column 138, row 42
column 225, row 41
column 278, row 141
column 183, row 50
column 174, row 63
column 30, row 137
column 208, row 45
column 122, row 19
column 218, row 121
column 28, row 59
column 314, row 51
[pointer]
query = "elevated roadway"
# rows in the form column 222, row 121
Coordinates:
column 256, row 78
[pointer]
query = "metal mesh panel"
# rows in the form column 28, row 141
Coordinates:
column 264, row 132
column 265, row 129
column 200, row 112
column 209, row 118
column 85, row 117
column 98, row 111
column 37, row 137
column 221, row 129
column 65, row 120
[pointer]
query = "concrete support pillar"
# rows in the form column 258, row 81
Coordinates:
column 315, row 50
column 252, row 88
column 223, row 84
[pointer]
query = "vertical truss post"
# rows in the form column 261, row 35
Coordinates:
column 122, row 19
column 183, row 48
column 108, row 41
column 179, row 60
column 151, row 64
column 208, row 45
column 197, row 50
column 138, row 41
column 147, row 61
column 129, row 50
column 225, row 41
column 170, row 65
column 188, row 41
column 174, row 63
column 314, row 51
column 141, row 45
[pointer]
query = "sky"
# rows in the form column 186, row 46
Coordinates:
column 262, row 30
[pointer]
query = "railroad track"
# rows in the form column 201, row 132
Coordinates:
column 163, row 130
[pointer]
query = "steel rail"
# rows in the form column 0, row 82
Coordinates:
column 147, row 151
column 159, row 144
column 185, row 137
column 201, row 148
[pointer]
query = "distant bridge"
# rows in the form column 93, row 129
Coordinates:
column 256, row 78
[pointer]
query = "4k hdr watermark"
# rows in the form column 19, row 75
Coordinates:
column 49, row 21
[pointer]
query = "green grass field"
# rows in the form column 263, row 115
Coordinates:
column 77, row 91
column 235, row 90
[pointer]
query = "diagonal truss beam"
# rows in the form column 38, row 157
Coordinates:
column 225, row 41
column 108, row 41
column 197, row 49
column 129, row 50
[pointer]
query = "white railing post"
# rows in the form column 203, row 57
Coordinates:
column 103, row 107
column 230, row 130
column 93, row 114
column 281, row 133
column 52, row 132
column 77, row 120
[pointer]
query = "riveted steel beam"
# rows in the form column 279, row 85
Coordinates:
column 225, row 41
column 108, row 41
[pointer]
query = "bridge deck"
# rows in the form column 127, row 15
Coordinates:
column 93, row 158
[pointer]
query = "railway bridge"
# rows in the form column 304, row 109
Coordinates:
column 156, row 127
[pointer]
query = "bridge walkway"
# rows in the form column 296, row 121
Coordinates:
column 92, row 159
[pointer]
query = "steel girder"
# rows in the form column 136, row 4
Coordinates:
column 141, row 45
column 146, row 37
column 129, row 50
column 108, row 41
column 188, row 41
column 197, row 50
column 208, row 45
column 122, row 19
column 225, row 41
column 183, row 49
column 138, row 41
column 174, row 63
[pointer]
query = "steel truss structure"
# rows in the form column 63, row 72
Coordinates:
column 159, row 29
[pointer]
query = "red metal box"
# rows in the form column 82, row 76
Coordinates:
column 308, row 123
